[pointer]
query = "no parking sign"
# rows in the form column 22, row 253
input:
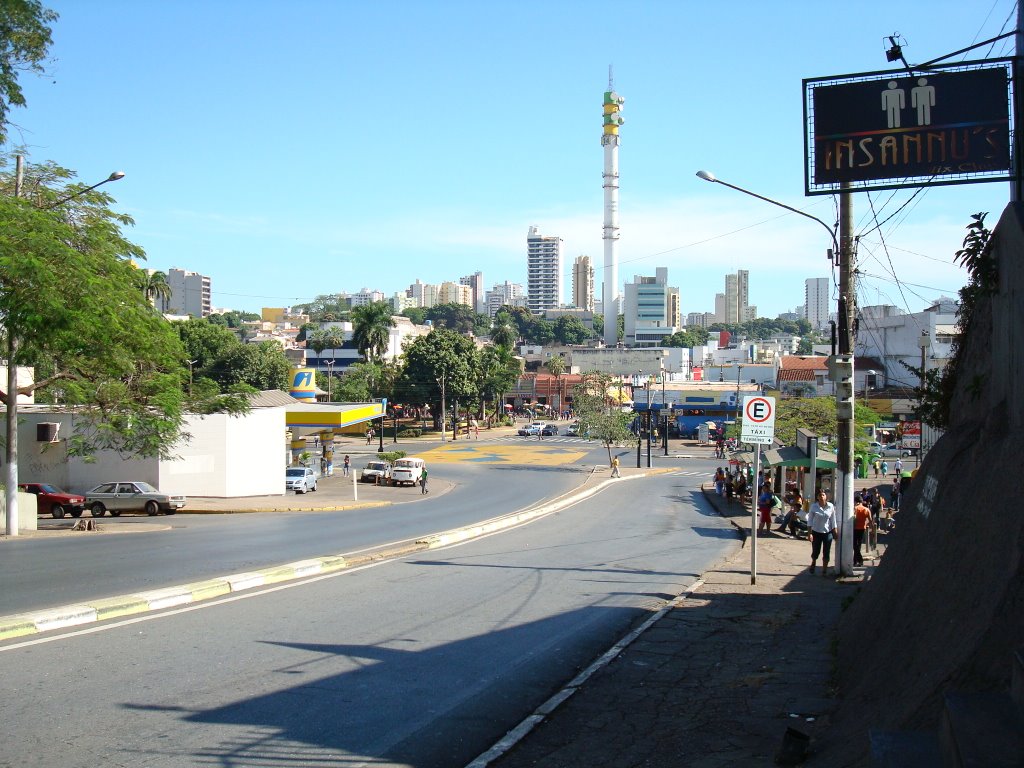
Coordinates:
column 758, row 419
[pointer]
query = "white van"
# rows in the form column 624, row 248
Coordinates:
column 407, row 470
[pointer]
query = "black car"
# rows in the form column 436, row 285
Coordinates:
column 549, row 430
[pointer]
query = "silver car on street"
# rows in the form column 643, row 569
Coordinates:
column 131, row 496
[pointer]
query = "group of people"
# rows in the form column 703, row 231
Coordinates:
column 732, row 483
column 881, row 467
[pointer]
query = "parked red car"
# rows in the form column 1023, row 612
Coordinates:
column 52, row 499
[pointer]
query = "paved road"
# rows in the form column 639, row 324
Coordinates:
column 424, row 661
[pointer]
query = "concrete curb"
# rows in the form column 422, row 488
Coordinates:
column 63, row 617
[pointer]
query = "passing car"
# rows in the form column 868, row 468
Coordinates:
column 549, row 430
column 378, row 472
column 50, row 498
column 889, row 450
column 299, row 479
column 132, row 496
column 532, row 430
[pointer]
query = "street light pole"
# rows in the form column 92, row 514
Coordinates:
column 842, row 362
column 330, row 377
column 11, row 453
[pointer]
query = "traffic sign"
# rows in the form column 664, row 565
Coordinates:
column 758, row 419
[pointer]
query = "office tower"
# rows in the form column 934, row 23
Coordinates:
column 720, row 313
column 816, row 301
column 651, row 309
column 543, row 271
column 190, row 294
column 736, row 303
column 583, row 283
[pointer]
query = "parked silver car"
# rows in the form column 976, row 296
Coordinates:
column 299, row 479
column 378, row 472
column 132, row 496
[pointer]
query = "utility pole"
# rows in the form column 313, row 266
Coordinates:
column 444, row 412
column 844, row 370
column 11, row 470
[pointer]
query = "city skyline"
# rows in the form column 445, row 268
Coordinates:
column 277, row 168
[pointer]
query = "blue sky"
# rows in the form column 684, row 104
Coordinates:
column 288, row 149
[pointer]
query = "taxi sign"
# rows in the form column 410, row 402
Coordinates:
column 758, row 419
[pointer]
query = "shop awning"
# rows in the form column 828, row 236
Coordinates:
column 791, row 456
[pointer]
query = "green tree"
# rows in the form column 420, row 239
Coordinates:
column 261, row 366
column 499, row 369
column 371, row 326
column 570, row 330
column 441, row 355
column 24, row 45
column 504, row 331
column 417, row 315
column 455, row 317
column 71, row 307
column 598, row 417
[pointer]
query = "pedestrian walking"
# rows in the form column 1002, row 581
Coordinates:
column 615, row 467
column 885, row 468
column 877, row 466
column 764, row 506
column 369, row 435
column 898, row 468
column 347, row 465
column 821, row 519
column 423, row 481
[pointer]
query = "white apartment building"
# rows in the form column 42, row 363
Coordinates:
column 364, row 297
column 508, row 293
column 816, row 302
column 424, row 294
column 543, row 271
column 891, row 336
column 583, row 284
column 190, row 294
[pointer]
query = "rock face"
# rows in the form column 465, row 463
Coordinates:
column 945, row 609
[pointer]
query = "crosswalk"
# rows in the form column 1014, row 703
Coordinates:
column 558, row 439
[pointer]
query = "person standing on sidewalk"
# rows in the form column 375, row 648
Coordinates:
column 423, row 481
column 821, row 519
column 347, row 465
column 861, row 522
column 615, row 467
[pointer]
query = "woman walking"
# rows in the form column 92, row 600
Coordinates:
column 821, row 519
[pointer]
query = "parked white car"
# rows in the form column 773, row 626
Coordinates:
column 378, row 472
column 407, row 470
column 299, row 479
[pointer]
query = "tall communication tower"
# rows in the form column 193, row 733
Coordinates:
column 610, row 141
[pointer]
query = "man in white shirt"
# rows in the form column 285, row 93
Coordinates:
column 821, row 519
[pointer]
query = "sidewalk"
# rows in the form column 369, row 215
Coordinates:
column 718, row 679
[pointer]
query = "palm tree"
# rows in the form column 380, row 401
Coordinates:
column 155, row 286
column 371, row 324
column 504, row 333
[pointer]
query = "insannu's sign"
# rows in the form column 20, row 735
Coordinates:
column 893, row 129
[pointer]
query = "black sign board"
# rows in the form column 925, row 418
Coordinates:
column 935, row 127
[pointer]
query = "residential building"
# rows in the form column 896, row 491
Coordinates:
column 190, row 294
column 401, row 300
column 476, row 285
column 543, row 271
column 455, row 293
column 804, row 376
column 735, row 304
column 583, row 284
column 816, row 302
column 364, row 297
column 511, row 294
column 720, row 313
column 424, row 294
column 651, row 310
column 700, row 319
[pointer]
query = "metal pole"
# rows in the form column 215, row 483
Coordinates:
column 11, row 470
column 648, row 388
column 756, row 491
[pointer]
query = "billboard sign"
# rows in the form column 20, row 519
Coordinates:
column 894, row 129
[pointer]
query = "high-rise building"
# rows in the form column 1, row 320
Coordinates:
column 720, row 313
column 476, row 284
column 651, row 310
column 816, row 304
column 190, row 294
column 543, row 271
column 737, row 294
column 583, row 284
column 364, row 297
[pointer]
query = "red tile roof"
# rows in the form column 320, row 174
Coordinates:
column 802, row 363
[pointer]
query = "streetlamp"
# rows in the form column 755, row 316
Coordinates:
column 844, row 407
column 330, row 376
column 867, row 385
column 11, row 431
column 115, row 176
column 190, row 364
